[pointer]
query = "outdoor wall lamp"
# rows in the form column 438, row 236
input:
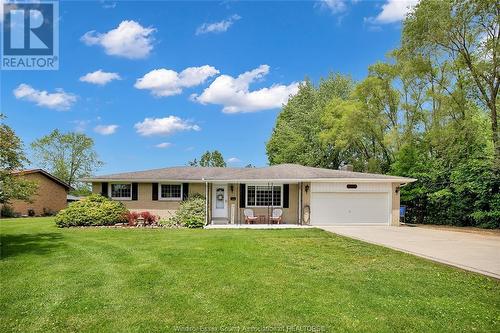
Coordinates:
column 232, row 188
column 307, row 188
column 397, row 189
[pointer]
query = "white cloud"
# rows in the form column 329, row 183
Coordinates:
column 99, row 77
column 217, row 27
column 163, row 145
column 80, row 125
column 394, row 11
column 164, row 126
column 233, row 160
column 235, row 96
column 58, row 100
column 335, row 6
column 105, row 129
column 1, row 10
column 108, row 5
column 129, row 40
column 166, row 82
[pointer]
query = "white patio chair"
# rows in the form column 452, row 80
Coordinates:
column 276, row 216
column 249, row 216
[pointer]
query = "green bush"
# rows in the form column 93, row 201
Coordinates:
column 92, row 211
column 194, row 222
column 7, row 211
column 191, row 213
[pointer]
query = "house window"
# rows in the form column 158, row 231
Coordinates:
column 171, row 191
column 121, row 191
column 264, row 195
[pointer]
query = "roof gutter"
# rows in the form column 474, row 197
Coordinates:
column 324, row 180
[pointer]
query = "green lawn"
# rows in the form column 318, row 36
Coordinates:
column 217, row 280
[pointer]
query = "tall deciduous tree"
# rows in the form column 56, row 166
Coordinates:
column 295, row 137
column 12, row 158
column 466, row 33
column 209, row 159
column 68, row 156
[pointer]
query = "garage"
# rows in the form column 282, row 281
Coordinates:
column 339, row 205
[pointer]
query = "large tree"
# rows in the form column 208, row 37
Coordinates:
column 209, row 159
column 295, row 137
column 12, row 158
column 68, row 156
column 466, row 34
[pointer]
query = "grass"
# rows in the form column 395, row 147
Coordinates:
column 119, row 280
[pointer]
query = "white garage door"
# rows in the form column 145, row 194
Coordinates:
column 349, row 208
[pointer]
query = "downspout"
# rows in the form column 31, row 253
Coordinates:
column 300, row 203
column 206, row 202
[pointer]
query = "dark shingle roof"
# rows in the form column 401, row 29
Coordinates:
column 274, row 172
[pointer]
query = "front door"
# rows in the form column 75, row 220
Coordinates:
column 219, row 201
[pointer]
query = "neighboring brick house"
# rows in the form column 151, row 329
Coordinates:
column 50, row 197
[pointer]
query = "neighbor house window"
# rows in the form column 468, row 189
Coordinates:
column 171, row 191
column 121, row 191
column 264, row 195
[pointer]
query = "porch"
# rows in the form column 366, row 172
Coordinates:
column 257, row 226
column 229, row 203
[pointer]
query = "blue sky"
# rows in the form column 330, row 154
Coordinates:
column 145, row 110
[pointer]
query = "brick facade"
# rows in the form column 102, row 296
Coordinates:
column 50, row 195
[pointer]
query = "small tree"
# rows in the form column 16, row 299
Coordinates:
column 209, row 159
column 68, row 156
column 12, row 158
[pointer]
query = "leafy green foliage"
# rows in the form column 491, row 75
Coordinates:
column 12, row 158
column 7, row 211
column 209, row 159
column 295, row 137
column 68, row 156
column 428, row 112
column 191, row 213
column 94, row 210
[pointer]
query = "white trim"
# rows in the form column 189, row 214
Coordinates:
column 160, row 198
column 110, row 191
column 220, row 213
column 263, row 184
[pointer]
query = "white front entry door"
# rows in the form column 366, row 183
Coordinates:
column 219, row 201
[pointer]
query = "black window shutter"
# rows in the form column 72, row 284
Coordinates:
column 104, row 189
column 134, row 191
column 242, row 195
column 185, row 191
column 154, row 194
column 286, row 195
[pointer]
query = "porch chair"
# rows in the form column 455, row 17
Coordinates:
column 276, row 216
column 249, row 217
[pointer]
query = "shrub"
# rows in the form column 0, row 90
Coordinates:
column 7, row 211
column 191, row 213
column 194, row 222
column 149, row 218
column 92, row 211
column 48, row 212
column 132, row 218
column 487, row 220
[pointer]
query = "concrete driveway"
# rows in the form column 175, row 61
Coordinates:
column 474, row 252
